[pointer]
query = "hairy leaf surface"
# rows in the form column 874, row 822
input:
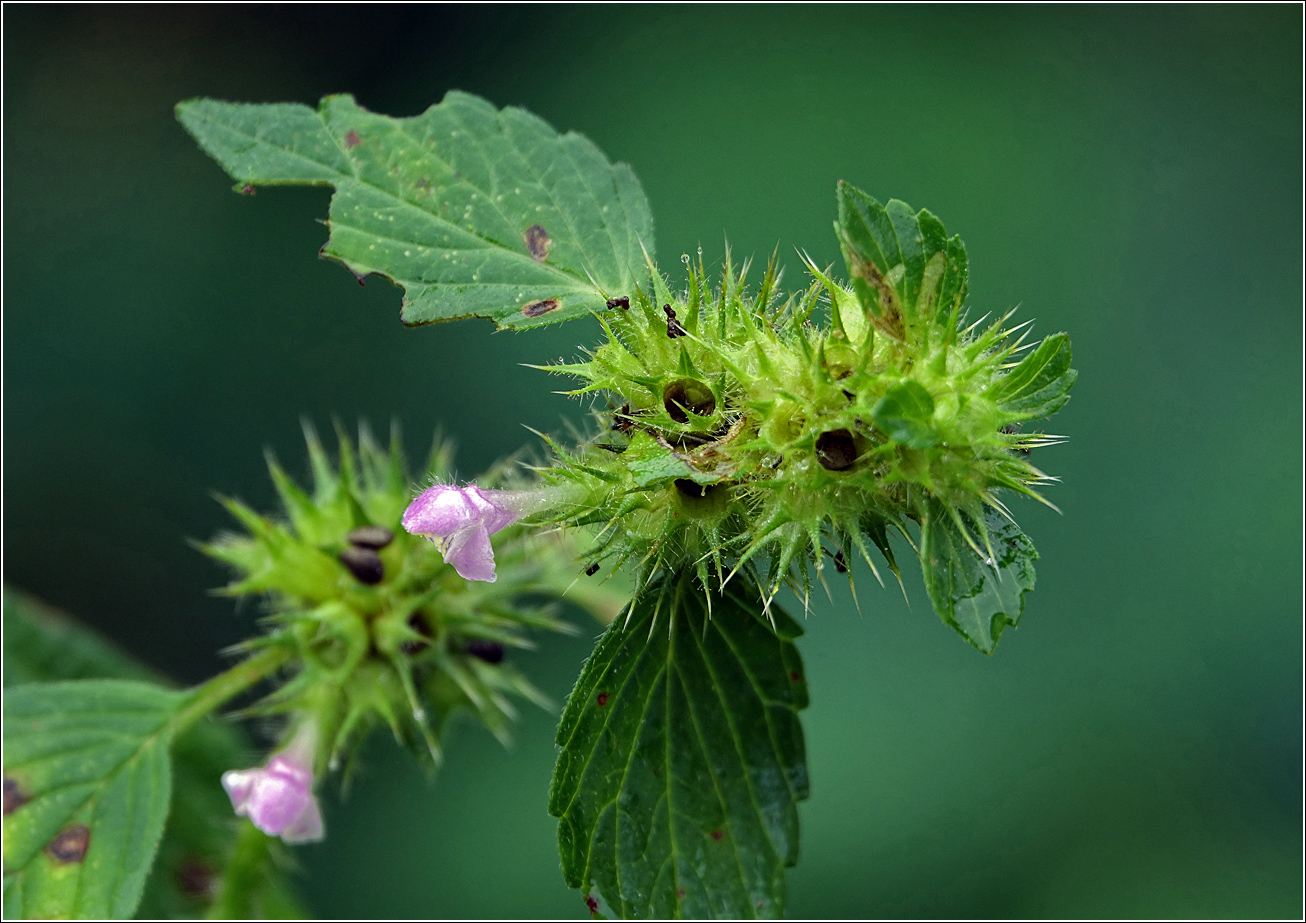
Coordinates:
column 474, row 211
column 193, row 866
column 977, row 598
column 682, row 759
column 87, row 782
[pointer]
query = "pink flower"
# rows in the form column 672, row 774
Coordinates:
column 278, row 798
column 460, row 520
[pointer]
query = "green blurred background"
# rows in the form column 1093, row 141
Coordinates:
column 1131, row 175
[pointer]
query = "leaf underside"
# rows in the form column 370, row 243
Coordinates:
column 977, row 599
column 473, row 210
column 682, row 759
column 87, row 784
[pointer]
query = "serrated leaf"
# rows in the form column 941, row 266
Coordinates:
column 193, row 863
column 977, row 598
column 904, row 267
column 904, row 413
column 682, row 759
column 473, row 210
column 87, row 783
column 1040, row 385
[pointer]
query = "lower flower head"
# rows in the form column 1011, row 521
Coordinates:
column 278, row 797
column 460, row 520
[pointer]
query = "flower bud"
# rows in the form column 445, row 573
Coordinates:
column 278, row 797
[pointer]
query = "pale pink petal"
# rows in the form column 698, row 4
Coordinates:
column 278, row 797
column 460, row 520
column 471, row 554
column 307, row 828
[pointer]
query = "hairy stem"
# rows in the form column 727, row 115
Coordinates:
column 229, row 684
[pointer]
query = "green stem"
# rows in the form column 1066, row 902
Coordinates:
column 229, row 684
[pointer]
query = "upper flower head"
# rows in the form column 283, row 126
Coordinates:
column 278, row 798
column 460, row 520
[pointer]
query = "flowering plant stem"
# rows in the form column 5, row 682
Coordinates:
column 228, row 684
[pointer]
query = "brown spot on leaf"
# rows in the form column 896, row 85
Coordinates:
column 351, row 139
column 680, row 892
column 248, row 189
column 795, row 676
column 70, row 844
column 836, row 450
column 602, row 699
column 717, row 834
column 536, row 308
column 538, row 242
column 15, row 797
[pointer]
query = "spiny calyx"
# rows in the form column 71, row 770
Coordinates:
column 747, row 431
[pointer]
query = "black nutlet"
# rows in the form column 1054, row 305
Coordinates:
column 364, row 563
column 370, row 537
column 481, row 649
column 836, row 450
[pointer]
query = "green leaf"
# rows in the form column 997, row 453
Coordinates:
column 87, row 783
column 475, row 211
column 904, row 413
column 199, row 849
column 977, row 599
column 682, row 759
column 904, row 267
column 1040, row 385
column 42, row 644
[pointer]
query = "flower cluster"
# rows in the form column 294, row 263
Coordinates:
column 741, row 430
column 383, row 625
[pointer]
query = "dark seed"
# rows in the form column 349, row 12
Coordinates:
column 840, row 564
column 623, row 302
column 691, row 488
column 364, row 564
column 836, row 450
column 670, row 313
column 688, row 395
column 589, row 572
column 370, row 537
column 70, row 844
column 591, row 903
column 417, row 622
column 15, row 797
column 196, row 879
column 489, row 651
